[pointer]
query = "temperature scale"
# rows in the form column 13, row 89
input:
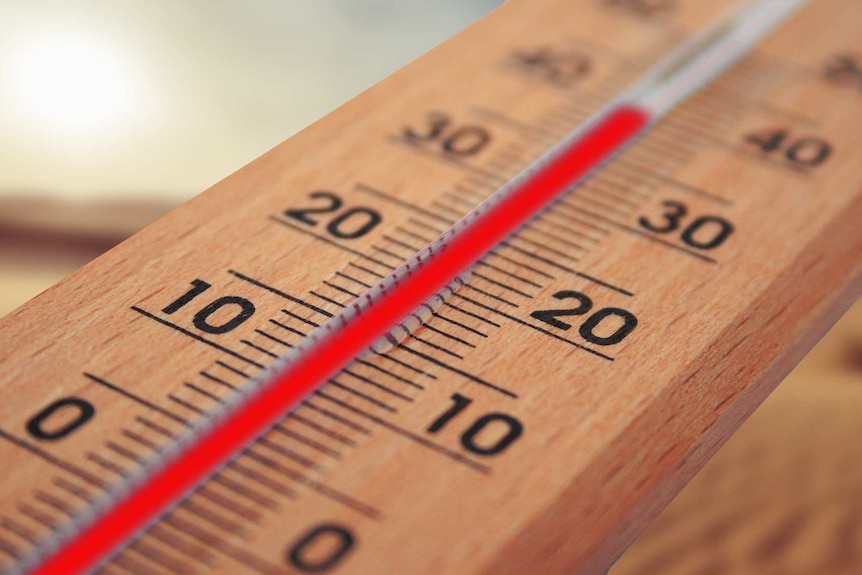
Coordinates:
column 488, row 317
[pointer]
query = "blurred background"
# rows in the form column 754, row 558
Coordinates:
column 113, row 112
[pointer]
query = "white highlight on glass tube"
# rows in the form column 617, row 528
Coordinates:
column 705, row 56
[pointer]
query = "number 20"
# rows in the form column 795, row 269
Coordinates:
column 589, row 328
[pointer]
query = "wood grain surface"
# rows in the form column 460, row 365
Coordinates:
column 784, row 495
column 591, row 435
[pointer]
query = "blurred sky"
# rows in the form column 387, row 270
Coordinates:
column 163, row 98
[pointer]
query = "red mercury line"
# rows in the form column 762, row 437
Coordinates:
column 146, row 502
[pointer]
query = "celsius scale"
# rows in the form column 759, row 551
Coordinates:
column 488, row 317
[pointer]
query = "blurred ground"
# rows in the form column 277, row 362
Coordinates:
column 225, row 83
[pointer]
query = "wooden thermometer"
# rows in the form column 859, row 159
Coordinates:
column 488, row 317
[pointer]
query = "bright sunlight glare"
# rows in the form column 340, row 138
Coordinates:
column 68, row 82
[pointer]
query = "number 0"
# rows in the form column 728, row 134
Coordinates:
column 38, row 425
column 336, row 540
column 513, row 431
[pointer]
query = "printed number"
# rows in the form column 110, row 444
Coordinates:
column 491, row 434
column 236, row 312
column 644, row 8
column 808, row 151
column 555, row 67
column 68, row 415
column 321, row 548
column 350, row 224
column 462, row 141
column 704, row 233
column 596, row 324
